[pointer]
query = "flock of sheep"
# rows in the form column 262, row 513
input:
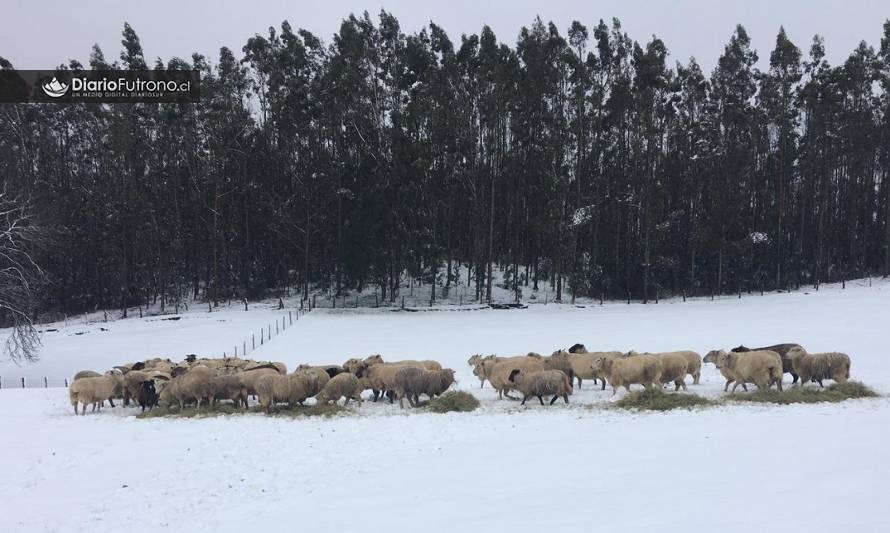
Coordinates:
column 205, row 381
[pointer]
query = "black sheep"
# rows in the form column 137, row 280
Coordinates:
column 147, row 396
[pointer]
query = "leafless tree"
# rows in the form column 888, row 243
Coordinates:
column 20, row 276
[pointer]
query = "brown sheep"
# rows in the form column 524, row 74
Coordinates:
column 381, row 375
column 763, row 368
column 193, row 386
column 623, row 372
column 290, row 388
column 542, row 383
column 316, row 377
column 674, row 367
column 250, row 375
column 93, row 390
column 820, row 366
column 782, row 350
column 582, row 363
column 712, row 357
column 343, row 385
column 228, row 387
column 483, row 365
column 499, row 373
column 411, row 381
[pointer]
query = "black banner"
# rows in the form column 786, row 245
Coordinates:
column 100, row 86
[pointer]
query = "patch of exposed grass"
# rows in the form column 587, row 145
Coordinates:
column 655, row 399
column 454, row 401
column 836, row 392
column 325, row 410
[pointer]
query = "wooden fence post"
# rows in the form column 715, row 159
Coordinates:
column 290, row 317
column 23, row 383
column 66, row 383
column 253, row 341
column 45, row 383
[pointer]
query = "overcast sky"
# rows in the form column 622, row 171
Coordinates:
column 40, row 34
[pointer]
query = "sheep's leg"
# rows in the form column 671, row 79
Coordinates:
column 401, row 403
column 726, row 387
column 541, row 399
column 523, row 400
column 734, row 387
column 793, row 378
column 566, row 398
column 695, row 378
column 579, row 383
column 111, row 401
column 820, row 384
column 604, row 383
column 555, row 397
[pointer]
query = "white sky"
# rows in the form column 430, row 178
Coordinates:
column 40, row 34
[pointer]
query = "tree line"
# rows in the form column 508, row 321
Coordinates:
column 581, row 161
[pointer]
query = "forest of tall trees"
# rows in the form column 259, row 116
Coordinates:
column 581, row 160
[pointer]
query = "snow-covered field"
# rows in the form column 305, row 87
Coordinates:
column 503, row 468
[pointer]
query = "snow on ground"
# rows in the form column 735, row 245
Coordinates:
column 502, row 468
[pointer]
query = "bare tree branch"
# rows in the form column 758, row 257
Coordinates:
column 20, row 275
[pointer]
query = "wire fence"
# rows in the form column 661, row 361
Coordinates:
column 257, row 339
column 9, row 382
column 264, row 335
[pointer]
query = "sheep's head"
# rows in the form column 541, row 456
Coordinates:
column 371, row 360
column 577, row 348
column 352, row 365
column 741, row 348
column 711, row 357
column 602, row 365
column 474, row 360
column 795, row 352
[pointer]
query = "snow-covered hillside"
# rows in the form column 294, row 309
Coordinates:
column 503, row 467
